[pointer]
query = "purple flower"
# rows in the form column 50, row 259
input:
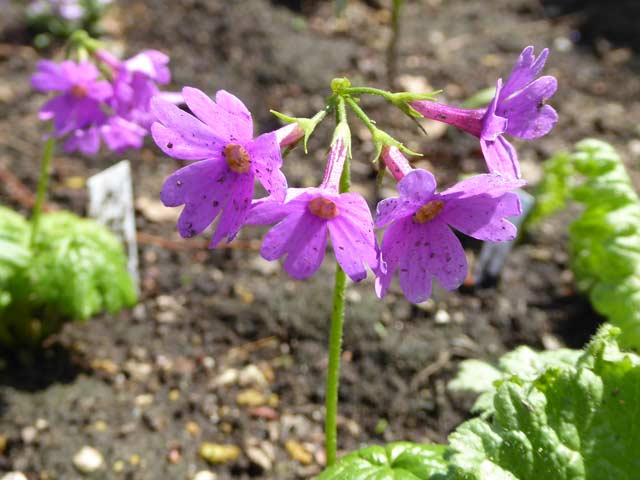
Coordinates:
column 80, row 94
column 227, row 159
column 119, row 135
column 308, row 214
column 419, row 242
column 135, row 82
column 305, row 218
column 518, row 108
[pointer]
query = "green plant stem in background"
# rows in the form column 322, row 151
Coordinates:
column 392, row 47
column 337, row 321
column 43, row 182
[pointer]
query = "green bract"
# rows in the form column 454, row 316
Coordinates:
column 483, row 378
column 396, row 461
column 76, row 269
column 571, row 422
column 604, row 242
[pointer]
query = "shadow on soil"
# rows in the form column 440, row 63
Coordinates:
column 33, row 371
column 615, row 21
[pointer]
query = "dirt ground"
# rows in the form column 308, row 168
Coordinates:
column 223, row 346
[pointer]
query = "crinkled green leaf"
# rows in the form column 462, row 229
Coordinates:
column 604, row 242
column 575, row 422
column 396, row 461
column 525, row 363
column 76, row 269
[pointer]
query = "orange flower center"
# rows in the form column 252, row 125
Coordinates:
column 428, row 211
column 323, row 208
column 237, row 158
column 79, row 91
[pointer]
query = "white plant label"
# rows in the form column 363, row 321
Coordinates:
column 111, row 204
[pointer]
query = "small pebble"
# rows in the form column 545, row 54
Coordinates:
column 216, row 454
column 252, row 375
column 193, row 428
column 298, row 452
column 88, row 460
column 442, row 317
column 259, row 457
column 250, row 398
column 14, row 476
column 28, row 434
column 205, row 475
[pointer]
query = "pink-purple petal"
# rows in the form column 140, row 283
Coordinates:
column 354, row 247
column 392, row 208
column 526, row 69
column 239, row 195
column 415, row 279
column 394, row 244
column 307, row 248
column 501, row 157
column 225, row 124
column 267, row 159
column 278, row 240
column 234, row 106
column 417, row 186
column 493, row 124
column 49, row 78
column 487, row 184
column 529, row 115
column 270, row 210
column 180, row 146
column 440, row 252
column 187, row 130
column 192, row 182
column 483, row 216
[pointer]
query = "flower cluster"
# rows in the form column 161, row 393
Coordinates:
column 418, row 243
column 70, row 10
column 103, row 99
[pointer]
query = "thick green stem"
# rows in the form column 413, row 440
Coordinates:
column 333, row 372
column 335, row 336
column 41, row 194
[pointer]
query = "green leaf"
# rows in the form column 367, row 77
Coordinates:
column 571, row 422
column 480, row 99
column 76, row 269
column 604, row 241
column 523, row 362
column 396, row 461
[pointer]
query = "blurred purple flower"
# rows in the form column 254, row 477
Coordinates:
column 135, row 82
column 227, row 159
column 80, row 94
column 306, row 217
column 518, row 108
column 116, row 132
column 91, row 111
column 419, row 242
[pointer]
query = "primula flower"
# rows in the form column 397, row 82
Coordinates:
column 309, row 214
column 80, row 94
column 118, row 134
column 419, row 242
column 135, row 82
column 227, row 159
column 518, row 108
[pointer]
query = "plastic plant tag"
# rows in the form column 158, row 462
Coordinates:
column 494, row 255
column 111, row 204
